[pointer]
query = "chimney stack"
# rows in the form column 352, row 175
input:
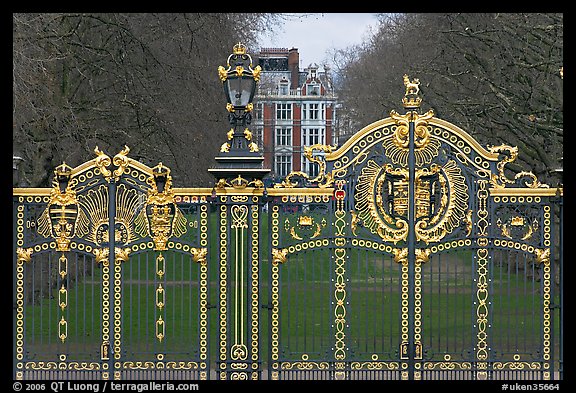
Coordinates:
column 294, row 67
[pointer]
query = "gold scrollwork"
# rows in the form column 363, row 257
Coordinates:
column 103, row 161
column 447, row 365
column 516, row 364
column 62, row 366
column 375, row 366
column 426, row 148
column 238, row 352
column 24, row 254
column 369, row 208
column 139, row 365
column 239, row 183
column 323, row 179
column 121, row 161
column 239, row 376
column 279, row 256
column 542, row 255
column 500, row 180
column 305, row 364
column 199, row 254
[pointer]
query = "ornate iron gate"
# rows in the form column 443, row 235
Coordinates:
column 416, row 255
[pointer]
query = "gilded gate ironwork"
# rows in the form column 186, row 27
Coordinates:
column 415, row 255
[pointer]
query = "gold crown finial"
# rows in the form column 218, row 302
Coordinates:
column 239, row 49
column 160, row 170
column 63, row 169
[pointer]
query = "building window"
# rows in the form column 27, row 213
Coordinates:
column 259, row 111
column 283, row 87
column 313, row 136
column 284, row 111
column 283, row 164
column 313, row 111
column 257, row 137
column 310, row 168
column 284, row 136
column 313, row 90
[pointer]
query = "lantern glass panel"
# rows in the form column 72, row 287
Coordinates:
column 240, row 91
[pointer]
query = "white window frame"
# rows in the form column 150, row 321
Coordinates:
column 284, row 111
column 259, row 111
column 283, row 87
column 257, row 136
column 312, row 136
column 283, row 164
column 313, row 87
column 283, row 136
column 314, row 111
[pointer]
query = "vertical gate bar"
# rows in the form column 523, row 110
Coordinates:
column 254, row 270
column 552, row 305
column 561, row 275
column 50, row 285
column 305, row 301
column 140, row 286
column 548, row 282
column 411, row 244
column 15, row 282
column 482, row 283
column 223, row 257
column 112, row 266
column 204, row 297
column 270, row 369
column 490, row 250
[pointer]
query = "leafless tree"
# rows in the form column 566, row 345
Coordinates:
column 148, row 81
column 497, row 76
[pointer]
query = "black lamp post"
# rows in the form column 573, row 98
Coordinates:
column 239, row 163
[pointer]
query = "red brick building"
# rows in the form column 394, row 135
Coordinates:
column 292, row 108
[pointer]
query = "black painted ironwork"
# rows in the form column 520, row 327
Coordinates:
column 415, row 255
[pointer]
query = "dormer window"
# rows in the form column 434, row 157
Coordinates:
column 313, row 89
column 283, row 87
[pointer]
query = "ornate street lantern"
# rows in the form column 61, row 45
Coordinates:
column 239, row 79
column 240, row 163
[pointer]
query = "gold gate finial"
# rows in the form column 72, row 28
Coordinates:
column 411, row 96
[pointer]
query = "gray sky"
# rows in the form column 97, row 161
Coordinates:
column 314, row 34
